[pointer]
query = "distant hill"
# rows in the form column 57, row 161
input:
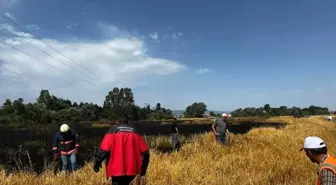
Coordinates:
column 180, row 112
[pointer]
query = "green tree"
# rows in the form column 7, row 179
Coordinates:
column 158, row 107
column 19, row 107
column 7, row 107
column 75, row 104
column 267, row 108
column 196, row 110
column 118, row 102
column 45, row 98
column 144, row 112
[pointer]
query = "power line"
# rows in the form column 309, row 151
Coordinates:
column 46, row 43
column 39, row 49
column 45, row 63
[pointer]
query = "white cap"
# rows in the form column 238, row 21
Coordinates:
column 313, row 142
column 64, row 128
column 224, row 114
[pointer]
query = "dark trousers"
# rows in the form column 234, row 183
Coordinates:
column 221, row 139
column 122, row 180
column 174, row 140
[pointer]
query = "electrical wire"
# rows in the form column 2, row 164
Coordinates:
column 38, row 48
column 46, row 43
column 45, row 63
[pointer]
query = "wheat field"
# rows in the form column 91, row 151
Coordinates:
column 262, row 156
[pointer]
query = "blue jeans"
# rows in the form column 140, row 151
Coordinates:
column 174, row 140
column 65, row 162
column 221, row 138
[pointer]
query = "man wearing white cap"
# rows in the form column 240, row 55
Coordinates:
column 316, row 150
column 220, row 128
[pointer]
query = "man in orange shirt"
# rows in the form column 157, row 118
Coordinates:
column 316, row 150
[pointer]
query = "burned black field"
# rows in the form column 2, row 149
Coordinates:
column 29, row 149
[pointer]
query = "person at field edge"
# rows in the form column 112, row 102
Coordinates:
column 329, row 118
column 174, row 135
column 66, row 142
column 125, row 151
column 316, row 150
column 220, row 128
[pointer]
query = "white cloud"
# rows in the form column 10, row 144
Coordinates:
column 203, row 70
column 155, row 37
column 33, row 27
column 10, row 16
column 116, row 62
column 10, row 28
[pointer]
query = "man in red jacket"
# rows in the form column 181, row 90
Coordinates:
column 125, row 151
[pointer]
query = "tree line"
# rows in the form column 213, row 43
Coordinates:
column 49, row 108
column 267, row 110
column 120, row 101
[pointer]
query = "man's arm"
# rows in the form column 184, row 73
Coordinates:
column 55, row 143
column 213, row 127
column 76, row 139
column 328, row 177
column 144, row 156
column 104, row 149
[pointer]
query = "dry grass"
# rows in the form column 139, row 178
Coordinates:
column 263, row 156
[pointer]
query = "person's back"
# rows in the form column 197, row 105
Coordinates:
column 221, row 126
column 126, row 152
column 126, row 147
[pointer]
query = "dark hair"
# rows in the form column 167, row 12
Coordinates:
column 123, row 119
column 317, row 151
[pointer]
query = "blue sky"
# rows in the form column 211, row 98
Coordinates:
column 228, row 54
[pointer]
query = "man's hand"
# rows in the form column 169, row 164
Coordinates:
column 76, row 151
column 142, row 174
column 55, row 156
column 96, row 167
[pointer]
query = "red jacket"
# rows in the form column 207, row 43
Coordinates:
column 125, row 151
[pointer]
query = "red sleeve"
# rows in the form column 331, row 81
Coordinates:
column 143, row 145
column 107, row 142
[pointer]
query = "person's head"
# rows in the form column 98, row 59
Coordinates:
column 122, row 119
column 224, row 116
column 315, row 148
column 65, row 129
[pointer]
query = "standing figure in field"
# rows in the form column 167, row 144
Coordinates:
column 66, row 142
column 220, row 129
column 316, row 151
column 125, row 151
column 174, row 135
column 329, row 118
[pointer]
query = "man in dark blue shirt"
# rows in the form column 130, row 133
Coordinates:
column 66, row 142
